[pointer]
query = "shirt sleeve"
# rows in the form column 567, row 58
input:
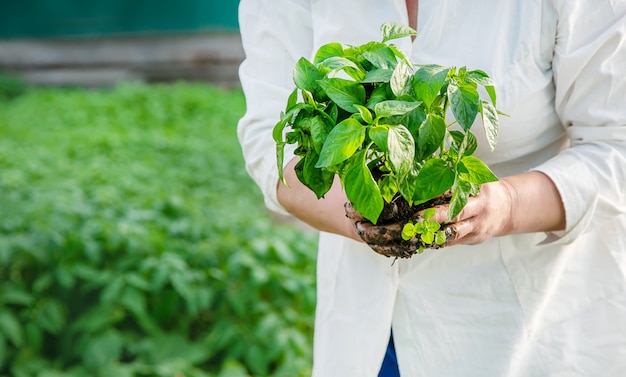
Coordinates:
column 275, row 34
column 589, row 68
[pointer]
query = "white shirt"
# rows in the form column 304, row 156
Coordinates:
column 522, row 305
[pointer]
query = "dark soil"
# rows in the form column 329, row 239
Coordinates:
column 399, row 210
column 385, row 237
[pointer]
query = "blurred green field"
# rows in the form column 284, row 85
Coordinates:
column 133, row 243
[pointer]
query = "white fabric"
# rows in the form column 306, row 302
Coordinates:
column 524, row 305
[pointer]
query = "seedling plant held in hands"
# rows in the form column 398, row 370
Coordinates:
column 381, row 123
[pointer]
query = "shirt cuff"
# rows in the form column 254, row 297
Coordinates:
column 578, row 194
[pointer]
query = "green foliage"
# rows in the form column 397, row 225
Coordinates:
column 380, row 125
column 428, row 230
column 133, row 243
column 11, row 86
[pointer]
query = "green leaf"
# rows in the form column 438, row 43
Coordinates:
column 328, row 51
column 14, row 294
column 319, row 131
column 460, row 196
column 3, row 351
column 388, row 186
column 413, row 120
column 429, row 213
column 420, row 228
column 394, row 107
column 464, row 143
column 43, row 282
column 440, row 238
column 306, row 76
column 343, row 64
column 277, row 132
column 401, row 149
column 292, row 99
column 473, row 170
column 331, row 113
column 399, row 54
column 474, row 189
column 341, row 143
column 433, row 179
column 401, row 79
column 135, row 301
column 337, row 62
column 361, row 188
column 406, row 184
column 112, row 291
column 378, row 134
column 51, row 316
column 378, row 75
column 490, row 123
column 379, row 94
column 318, row 180
column 432, row 226
column 380, row 55
column 11, row 328
column 428, row 81
column 289, row 118
column 481, row 78
column 428, row 237
column 395, row 30
column 464, row 101
column 430, row 135
column 280, row 161
column 103, row 350
column 138, row 281
column 256, row 359
column 33, row 335
column 309, row 98
column 233, row 368
column 114, row 369
column 408, row 231
column 365, row 114
column 98, row 318
column 344, row 93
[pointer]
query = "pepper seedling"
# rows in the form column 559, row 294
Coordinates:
column 368, row 115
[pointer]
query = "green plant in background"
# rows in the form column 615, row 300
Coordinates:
column 133, row 243
column 368, row 115
column 11, row 86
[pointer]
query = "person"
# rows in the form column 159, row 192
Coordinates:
column 534, row 284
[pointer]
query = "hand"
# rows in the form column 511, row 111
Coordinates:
column 528, row 202
column 523, row 203
column 486, row 215
column 385, row 238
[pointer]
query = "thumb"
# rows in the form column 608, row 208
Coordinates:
column 352, row 213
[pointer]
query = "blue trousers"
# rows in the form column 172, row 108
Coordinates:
column 390, row 363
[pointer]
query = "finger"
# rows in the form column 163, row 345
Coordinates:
column 468, row 232
column 442, row 212
column 352, row 213
column 378, row 234
column 451, row 233
column 462, row 230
